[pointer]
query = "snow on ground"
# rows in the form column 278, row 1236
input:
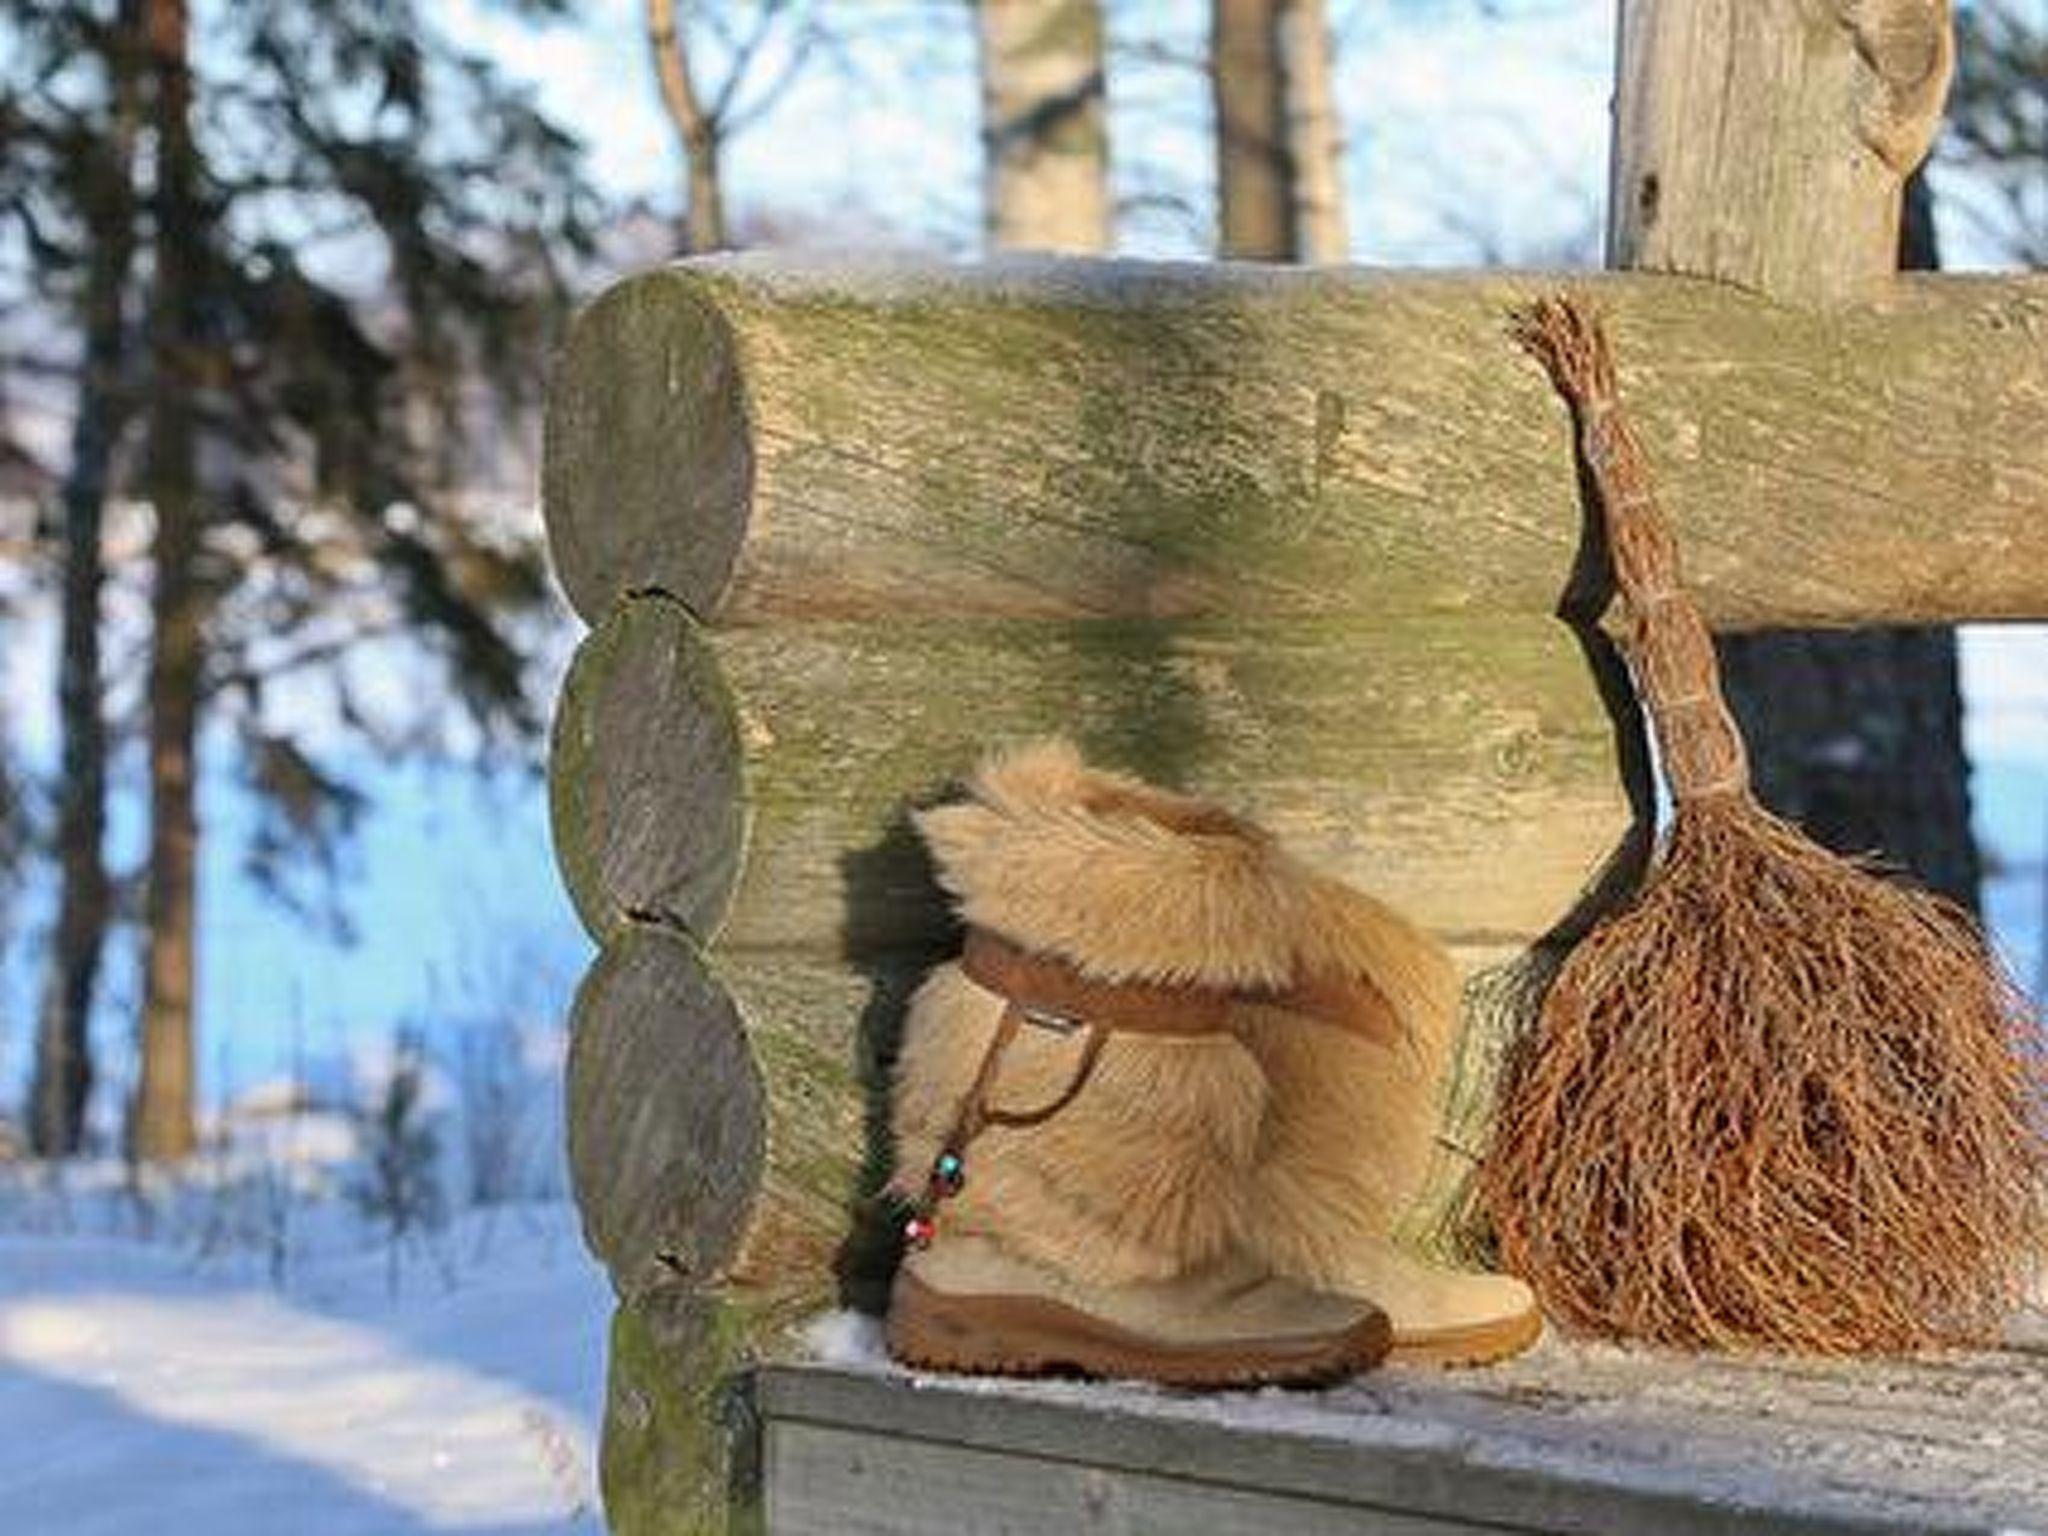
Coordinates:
column 146, row 1389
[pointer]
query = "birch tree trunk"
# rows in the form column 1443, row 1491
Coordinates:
column 1254, row 166
column 1315, row 132
column 698, row 134
column 162, row 1126
column 1753, row 147
column 1044, row 128
column 63, row 1067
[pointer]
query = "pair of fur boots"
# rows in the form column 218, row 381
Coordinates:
column 1162, row 1117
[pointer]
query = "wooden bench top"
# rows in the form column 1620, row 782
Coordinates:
column 1570, row 1438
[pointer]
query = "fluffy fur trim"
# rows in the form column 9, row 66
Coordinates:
column 1347, row 1143
column 1130, row 882
column 1139, row 1178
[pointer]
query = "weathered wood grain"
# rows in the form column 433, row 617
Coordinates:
column 644, row 791
column 848, row 1480
column 661, row 421
column 1087, row 439
column 1463, row 768
column 1569, row 1438
column 667, row 1114
column 1766, row 145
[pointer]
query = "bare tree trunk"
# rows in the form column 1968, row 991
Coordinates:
column 163, row 1122
column 697, row 133
column 1254, row 166
column 1045, row 137
column 63, row 1069
column 1315, row 132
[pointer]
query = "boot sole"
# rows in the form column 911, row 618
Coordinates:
column 1474, row 1344
column 1001, row 1335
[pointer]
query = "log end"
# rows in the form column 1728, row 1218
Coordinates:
column 648, row 467
column 645, row 774
column 667, row 1115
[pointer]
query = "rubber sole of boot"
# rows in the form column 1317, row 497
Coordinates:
column 1030, row 1336
column 1473, row 1344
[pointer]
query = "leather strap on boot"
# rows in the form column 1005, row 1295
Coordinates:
column 1049, row 993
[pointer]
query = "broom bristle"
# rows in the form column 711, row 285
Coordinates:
column 1778, row 1100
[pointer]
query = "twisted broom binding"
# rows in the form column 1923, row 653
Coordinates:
column 1668, row 646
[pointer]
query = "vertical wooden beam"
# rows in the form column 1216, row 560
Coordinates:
column 1769, row 145
column 1766, row 143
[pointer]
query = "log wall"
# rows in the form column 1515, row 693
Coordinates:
column 1309, row 544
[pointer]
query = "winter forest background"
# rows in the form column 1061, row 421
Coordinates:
column 380, row 641
column 278, row 284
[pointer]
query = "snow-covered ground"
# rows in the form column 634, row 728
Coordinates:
column 251, row 1361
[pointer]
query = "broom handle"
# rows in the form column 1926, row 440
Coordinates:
column 1669, row 648
column 1667, row 643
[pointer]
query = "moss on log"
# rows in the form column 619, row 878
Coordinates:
column 679, row 1455
column 1462, row 768
column 1101, row 439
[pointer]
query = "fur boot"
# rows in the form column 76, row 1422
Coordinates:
column 1104, row 1235
column 1284, row 1136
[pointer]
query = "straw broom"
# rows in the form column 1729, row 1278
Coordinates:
column 1778, row 1100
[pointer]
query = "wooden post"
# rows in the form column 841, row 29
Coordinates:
column 1767, row 145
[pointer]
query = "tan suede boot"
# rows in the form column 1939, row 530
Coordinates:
column 1099, row 1238
column 1073, row 1113
column 1348, row 1139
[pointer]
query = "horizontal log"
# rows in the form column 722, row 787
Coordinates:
column 1063, row 439
column 826, row 1034
column 1461, row 768
column 644, row 792
column 667, row 1115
